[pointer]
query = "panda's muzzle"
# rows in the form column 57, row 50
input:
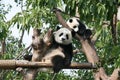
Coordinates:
column 63, row 39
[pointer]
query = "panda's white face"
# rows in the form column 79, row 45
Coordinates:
column 73, row 23
column 63, row 36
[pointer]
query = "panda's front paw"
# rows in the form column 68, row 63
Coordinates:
column 87, row 33
column 67, row 62
column 28, row 57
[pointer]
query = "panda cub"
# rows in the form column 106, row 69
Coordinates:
column 60, row 54
column 75, row 24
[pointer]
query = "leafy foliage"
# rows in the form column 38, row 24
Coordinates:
column 3, row 25
column 12, row 51
column 60, row 76
column 93, row 13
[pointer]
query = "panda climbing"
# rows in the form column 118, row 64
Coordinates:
column 60, row 52
column 75, row 24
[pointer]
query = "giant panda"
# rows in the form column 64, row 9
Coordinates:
column 77, row 26
column 60, row 52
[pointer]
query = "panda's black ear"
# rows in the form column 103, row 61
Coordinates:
column 70, row 20
column 57, row 27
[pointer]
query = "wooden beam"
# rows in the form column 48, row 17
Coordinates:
column 13, row 64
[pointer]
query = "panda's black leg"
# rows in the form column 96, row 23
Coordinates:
column 81, row 33
column 58, row 63
column 82, row 30
column 68, row 55
column 88, row 33
column 67, row 61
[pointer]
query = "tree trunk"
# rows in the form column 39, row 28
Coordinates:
column 3, row 47
column 30, row 74
column 113, row 28
column 40, row 45
column 21, row 38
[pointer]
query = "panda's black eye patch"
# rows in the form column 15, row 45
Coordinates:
column 74, row 26
column 67, row 36
column 70, row 20
column 61, row 34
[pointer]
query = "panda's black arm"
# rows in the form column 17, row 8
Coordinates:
column 68, row 54
column 82, row 28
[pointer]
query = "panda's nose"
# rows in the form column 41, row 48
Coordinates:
column 63, row 39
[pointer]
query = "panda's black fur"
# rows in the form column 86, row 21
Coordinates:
column 74, row 23
column 60, row 53
column 59, row 61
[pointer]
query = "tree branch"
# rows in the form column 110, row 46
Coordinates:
column 13, row 64
column 21, row 38
column 76, row 10
column 115, row 75
column 59, row 18
column 113, row 28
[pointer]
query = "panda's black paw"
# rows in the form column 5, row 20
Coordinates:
column 28, row 57
column 73, row 33
column 87, row 34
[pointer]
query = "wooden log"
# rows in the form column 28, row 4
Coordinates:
column 13, row 64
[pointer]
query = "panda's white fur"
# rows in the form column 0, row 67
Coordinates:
column 78, row 27
column 60, row 37
column 60, row 54
column 74, row 24
column 51, row 53
column 63, row 36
